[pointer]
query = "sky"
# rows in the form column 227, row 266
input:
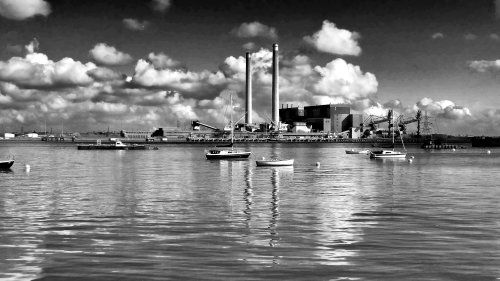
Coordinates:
column 142, row 64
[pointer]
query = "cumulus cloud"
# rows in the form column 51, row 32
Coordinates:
column 494, row 37
column 161, row 5
column 190, row 83
column 104, row 74
column 342, row 82
column 21, row 10
column 109, row 55
column 437, row 35
column 135, row 24
column 333, row 40
column 37, row 71
column 254, row 29
column 484, row 65
column 32, row 47
column 443, row 109
column 163, row 61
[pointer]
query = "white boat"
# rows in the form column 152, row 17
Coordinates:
column 275, row 162
column 352, row 151
column 386, row 153
column 389, row 153
column 227, row 151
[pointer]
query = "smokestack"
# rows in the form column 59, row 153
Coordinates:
column 275, row 91
column 248, row 106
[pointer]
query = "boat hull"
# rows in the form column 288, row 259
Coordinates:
column 357, row 151
column 235, row 155
column 112, row 147
column 4, row 165
column 274, row 162
column 387, row 154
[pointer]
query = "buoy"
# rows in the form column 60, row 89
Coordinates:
column 410, row 160
column 263, row 158
column 412, row 157
column 317, row 164
column 488, row 152
column 27, row 167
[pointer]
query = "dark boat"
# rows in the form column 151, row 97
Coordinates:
column 6, row 164
column 227, row 151
column 118, row 145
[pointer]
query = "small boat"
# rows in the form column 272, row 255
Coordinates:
column 227, row 151
column 118, row 145
column 6, row 164
column 352, row 151
column 387, row 153
column 274, row 162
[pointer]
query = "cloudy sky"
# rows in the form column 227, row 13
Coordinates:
column 143, row 64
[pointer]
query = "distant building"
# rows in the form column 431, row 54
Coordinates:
column 9, row 136
column 135, row 134
column 334, row 118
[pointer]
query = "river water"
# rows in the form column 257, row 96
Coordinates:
column 170, row 214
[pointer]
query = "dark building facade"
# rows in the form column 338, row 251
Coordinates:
column 333, row 118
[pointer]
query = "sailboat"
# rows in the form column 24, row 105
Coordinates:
column 227, row 151
column 389, row 153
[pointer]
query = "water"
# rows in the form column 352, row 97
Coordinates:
column 170, row 214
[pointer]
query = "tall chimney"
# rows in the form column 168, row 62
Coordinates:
column 248, row 105
column 275, row 91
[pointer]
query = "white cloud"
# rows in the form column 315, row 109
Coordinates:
column 32, row 47
column 190, row 83
column 494, row 37
column 37, row 71
column 161, row 5
column 23, row 9
column 135, row 24
column 333, row 40
column 484, row 65
column 163, row 61
column 255, row 29
column 437, row 35
column 109, row 55
column 343, row 82
column 443, row 109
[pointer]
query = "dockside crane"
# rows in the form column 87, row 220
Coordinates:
column 401, row 122
column 372, row 121
column 195, row 125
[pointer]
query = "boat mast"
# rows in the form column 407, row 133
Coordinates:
column 231, row 119
column 392, row 128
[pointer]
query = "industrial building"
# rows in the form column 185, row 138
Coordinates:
column 328, row 118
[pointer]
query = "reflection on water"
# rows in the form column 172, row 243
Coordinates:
column 171, row 214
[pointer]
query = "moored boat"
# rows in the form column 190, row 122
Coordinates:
column 275, row 162
column 386, row 153
column 227, row 151
column 353, row 151
column 389, row 153
column 117, row 145
column 6, row 164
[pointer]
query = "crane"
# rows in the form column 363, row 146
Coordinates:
column 197, row 124
column 401, row 122
column 371, row 122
